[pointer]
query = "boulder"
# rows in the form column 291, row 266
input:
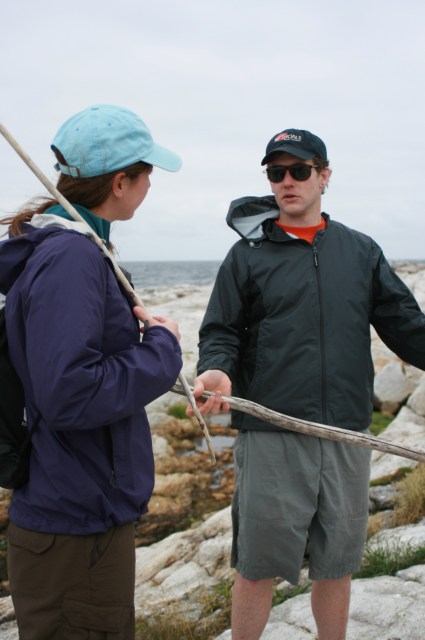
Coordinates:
column 407, row 428
column 383, row 608
column 416, row 401
column 176, row 572
column 392, row 387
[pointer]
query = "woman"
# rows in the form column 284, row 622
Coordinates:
column 75, row 343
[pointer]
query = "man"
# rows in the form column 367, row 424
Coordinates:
column 288, row 326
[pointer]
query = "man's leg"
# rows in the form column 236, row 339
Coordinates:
column 251, row 604
column 330, row 601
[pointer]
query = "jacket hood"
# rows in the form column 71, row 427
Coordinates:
column 15, row 251
column 247, row 215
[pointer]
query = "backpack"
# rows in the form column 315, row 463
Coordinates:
column 15, row 436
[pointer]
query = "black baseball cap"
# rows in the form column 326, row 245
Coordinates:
column 297, row 142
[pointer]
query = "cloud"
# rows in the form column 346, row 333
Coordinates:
column 215, row 80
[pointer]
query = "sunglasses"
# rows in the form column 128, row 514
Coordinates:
column 299, row 172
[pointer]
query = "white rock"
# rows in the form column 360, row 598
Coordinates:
column 178, row 586
column 214, row 553
column 186, row 579
column 6, row 608
column 407, row 428
column 160, row 446
column 392, row 386
column 415, row 573
column 219, row 523
column 173, row 483
column 150, row 560
column 387, row 607
column 384, row 608
column 9, row 631
column 169, row 573
column 416, row 401
column 399, row 537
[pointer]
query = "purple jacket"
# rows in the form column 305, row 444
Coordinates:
column 76, row 346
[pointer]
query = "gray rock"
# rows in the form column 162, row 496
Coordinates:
column 400, row 537
column 175, row 573
column 416, row 401
column 6, row 609
column 407, row 428
column 9, row 631
column 392, row 387
column 384, row 608
column 382, row 497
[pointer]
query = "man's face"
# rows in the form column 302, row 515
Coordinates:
column 298, row 201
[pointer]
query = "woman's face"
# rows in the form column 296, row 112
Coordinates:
column 125, row 197
column 134, row 192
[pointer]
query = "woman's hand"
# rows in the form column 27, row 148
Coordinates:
column 155, row 321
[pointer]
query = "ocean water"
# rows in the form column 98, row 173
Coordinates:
column 150, row 275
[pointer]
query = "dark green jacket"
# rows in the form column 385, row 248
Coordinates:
column 290, row 322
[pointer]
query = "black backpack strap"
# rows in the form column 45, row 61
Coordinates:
column 20, row 474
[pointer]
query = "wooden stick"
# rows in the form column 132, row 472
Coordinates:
column 314, row 429
column 119, row 274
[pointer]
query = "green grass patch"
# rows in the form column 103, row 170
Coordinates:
column 400, row 474
column 167, row 628
column 410, row 498
column 171, row 625
column 221, row 596
column 379, row 422
column 216, row 616
column 386, row 560
column 279, row 597
column 177, row 410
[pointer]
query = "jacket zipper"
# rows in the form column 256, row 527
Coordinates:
column 322, row 335
column 112, row 478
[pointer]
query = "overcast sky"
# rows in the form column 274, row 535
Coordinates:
column 214, row 80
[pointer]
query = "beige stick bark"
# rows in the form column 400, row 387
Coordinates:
column 118, row 272
column 316, row 429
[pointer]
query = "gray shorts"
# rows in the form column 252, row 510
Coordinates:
column 290, row 488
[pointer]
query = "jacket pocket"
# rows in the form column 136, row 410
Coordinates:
column 101, row 621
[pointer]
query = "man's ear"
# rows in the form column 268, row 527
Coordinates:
column 326, row 175
column 118, row 184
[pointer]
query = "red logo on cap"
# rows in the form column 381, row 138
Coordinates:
column 281, row 136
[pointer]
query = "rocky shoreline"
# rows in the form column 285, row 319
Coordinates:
column 184, row 541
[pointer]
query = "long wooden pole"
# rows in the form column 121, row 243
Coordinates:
column 315, row 429
column 118, row 272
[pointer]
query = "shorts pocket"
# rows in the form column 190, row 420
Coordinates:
column 239, row 446
column 107, row 621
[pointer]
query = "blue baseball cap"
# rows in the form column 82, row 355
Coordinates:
column 105, row 138
column 297, row 142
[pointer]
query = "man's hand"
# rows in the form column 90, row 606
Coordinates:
column 216, row 381
column 152, row 321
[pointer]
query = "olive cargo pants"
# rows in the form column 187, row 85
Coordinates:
column 73, row 587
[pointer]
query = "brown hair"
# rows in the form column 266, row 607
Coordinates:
column 320, row 163
column 88, row 192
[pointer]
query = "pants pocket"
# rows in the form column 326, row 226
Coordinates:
column 100, row 621
column 26, row 550
column 30, row 540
